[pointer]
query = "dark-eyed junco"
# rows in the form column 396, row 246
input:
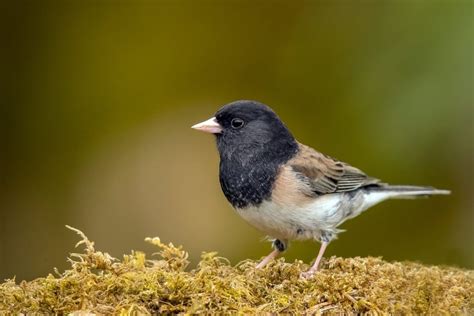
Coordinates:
column 286, row 189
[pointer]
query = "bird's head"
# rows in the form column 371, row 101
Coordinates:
column 249, row 128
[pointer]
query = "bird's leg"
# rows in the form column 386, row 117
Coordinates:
column 325, row 239
column 315, row 266
column 279, row 246
column 275, row 253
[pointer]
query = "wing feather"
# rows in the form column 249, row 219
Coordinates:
column 326, row 174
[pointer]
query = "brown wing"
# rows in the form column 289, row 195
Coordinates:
column 326, row 174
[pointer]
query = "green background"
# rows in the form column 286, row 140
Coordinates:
column 99, row 98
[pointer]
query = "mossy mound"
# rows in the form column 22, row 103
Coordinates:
column 98, row 283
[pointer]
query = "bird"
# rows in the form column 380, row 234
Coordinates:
column 288, row 190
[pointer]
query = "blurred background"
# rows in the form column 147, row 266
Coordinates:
column 99, row 98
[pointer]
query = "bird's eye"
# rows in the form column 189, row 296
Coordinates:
column 237, row 123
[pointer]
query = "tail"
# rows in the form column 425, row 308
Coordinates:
column 381, row 192
column 376, row 193
column 407, row 191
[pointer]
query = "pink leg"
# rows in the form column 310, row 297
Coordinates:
column 315, row 266
column 268, row 258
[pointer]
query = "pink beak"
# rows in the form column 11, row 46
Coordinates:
column 209, row 126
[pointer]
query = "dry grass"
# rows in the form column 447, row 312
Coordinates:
column 98, row 283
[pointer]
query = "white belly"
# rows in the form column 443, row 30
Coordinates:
column 325, row 213
column 287, row 222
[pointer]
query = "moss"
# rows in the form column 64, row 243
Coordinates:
column 98, row 283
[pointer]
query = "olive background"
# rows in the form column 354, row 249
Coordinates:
column 99, row 96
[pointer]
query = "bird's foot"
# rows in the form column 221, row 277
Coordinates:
column 308, row 274
column 261, row 264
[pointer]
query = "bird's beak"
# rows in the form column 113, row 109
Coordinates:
column 209, row 126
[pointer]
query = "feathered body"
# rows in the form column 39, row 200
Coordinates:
column 286, row 189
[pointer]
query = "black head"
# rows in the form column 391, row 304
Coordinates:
column 250, row 128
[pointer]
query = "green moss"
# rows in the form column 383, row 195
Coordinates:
column 98, row 283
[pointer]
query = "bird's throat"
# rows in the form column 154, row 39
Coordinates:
column 247, row 178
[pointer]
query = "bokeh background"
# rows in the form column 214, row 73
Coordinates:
column 99, row 98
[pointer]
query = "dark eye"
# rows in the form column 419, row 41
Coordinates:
column 237, row 123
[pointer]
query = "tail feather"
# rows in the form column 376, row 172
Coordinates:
column 408, row 191
column 375, row 194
